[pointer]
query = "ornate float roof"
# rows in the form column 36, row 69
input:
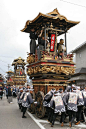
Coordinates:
column 58, row 21
column 10, row 71
column 19, row 61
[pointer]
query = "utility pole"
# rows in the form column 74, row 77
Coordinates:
column 8, row 66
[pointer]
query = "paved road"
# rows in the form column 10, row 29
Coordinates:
column 46, row 125
column 11, row 118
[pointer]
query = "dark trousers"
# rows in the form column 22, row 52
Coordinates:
column 78, row 114
column 14, row 94
column 55, row 115
column 24, row 110
column 72, row 115
column 83, row 115
column 1, row 97
column 63, row 116
column 21, row 108
column 85, row 112
column 48, row 110
column 7, row 96
column 51, row 115
column 20, row 105
column 54, row 118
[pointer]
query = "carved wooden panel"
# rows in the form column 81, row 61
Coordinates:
column 36, row 89
column 42, row 88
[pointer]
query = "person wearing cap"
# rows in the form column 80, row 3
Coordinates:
column 18, row 98
column 61, row 92
column 46, row 103
column 14, row 91
column 33, row 37
column 18, row 89
column 72, row 99
column 80, row 105
column 63, row 95
column 27, row 100
column 58, row 105
column 21, row 97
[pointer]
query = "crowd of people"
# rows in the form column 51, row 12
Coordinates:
column 70, row 103
column 10, row 91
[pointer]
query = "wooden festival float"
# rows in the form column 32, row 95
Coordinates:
column 1, row 81
column 19, row 77
column 50, row 71
column 9, row 77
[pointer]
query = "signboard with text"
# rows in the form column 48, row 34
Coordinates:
column 52, row 44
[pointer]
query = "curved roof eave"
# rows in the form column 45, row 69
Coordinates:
column 49, row 15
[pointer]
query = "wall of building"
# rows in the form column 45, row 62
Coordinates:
column 81, row 57
column 81, row 83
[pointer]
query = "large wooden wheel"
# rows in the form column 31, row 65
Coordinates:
column 39, row 109
column 32, row 107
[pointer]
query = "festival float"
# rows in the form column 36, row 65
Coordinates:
column 19, row 77
column 1, row 81
column 9, row 77
column 55, row 67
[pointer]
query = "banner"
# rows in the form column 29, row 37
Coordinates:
column 52, row 42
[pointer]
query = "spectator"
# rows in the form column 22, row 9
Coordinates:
column 9, row 94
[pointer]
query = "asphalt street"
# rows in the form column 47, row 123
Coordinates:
column 11, row 118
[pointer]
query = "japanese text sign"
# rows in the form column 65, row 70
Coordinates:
column 52, row 42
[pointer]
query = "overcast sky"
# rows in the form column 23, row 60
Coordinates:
column 15, row 13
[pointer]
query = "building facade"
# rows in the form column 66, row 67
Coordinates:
column 79, row 78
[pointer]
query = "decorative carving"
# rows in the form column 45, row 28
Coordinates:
column 36, row 89
column 19, row 79
column 30, row 71
column 57, row 70
column 42, row 88
column 51, row 69
column 67, row 70
column 36, row 69
column 30, row 58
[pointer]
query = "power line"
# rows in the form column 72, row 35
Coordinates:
column 5, row 65
column 4, row 61
column 73, row 3
column 7, row 56
column 2, row 70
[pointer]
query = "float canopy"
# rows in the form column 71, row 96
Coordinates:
column 58, row 21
